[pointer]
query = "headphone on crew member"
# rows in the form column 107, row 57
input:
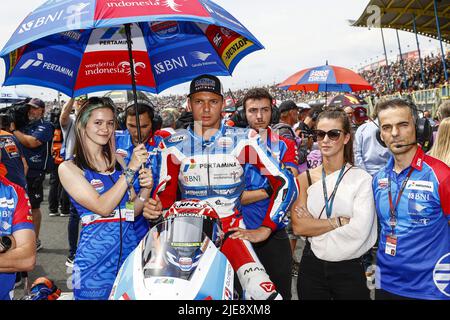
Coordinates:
column 154, row 117
column 424, row 130
column 241, row 117
column 315, row 113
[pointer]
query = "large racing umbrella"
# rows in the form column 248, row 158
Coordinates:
column 326, row 78
column 82, row 46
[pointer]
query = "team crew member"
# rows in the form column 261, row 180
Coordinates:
column 127, row 140
column 102, row 193
column 36, row 139
column 412, row 197
column 17, row 238
column 335, row 211
column 209, row 162
column 275, row 252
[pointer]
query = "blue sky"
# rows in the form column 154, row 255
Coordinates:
column 296, row 34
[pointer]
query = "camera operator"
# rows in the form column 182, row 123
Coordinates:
column 17, row 239
column 36, row 139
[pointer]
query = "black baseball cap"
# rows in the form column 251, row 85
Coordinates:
column 36, row 103
column 287, row 105
column 206, row 83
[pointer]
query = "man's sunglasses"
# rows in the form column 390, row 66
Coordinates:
column 333, row 134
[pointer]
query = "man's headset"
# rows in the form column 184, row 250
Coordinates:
column 424, row 131
column 240, row 117
column 156, row 119
column 316, row 113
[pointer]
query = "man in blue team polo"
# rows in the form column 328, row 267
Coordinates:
column 412, row 197
column 36, row 139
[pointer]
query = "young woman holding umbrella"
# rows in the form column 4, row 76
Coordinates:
column 335, row 211
column 101, row 190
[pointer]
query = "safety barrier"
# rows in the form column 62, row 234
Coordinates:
column 445, row 92
column 429, row 99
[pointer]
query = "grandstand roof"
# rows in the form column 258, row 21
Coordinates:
column 398, row 14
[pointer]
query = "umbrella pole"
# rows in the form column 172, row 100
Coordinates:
column 133, row 78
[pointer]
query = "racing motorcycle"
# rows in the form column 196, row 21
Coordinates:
column 179, row 259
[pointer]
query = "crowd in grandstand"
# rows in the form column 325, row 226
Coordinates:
column 385, row 81
column 391, row 79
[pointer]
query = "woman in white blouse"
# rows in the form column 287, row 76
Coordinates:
column 335, row 212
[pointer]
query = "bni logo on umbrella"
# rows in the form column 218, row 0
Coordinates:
column 71, row 14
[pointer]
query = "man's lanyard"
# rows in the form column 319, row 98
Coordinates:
column 329, row 202
column 393, row 209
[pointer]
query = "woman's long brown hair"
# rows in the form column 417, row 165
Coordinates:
column 339, row 114
column 82, row 158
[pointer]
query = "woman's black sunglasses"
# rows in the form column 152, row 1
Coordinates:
column 333, row 134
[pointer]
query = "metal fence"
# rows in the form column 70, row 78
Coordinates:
column 424, row 99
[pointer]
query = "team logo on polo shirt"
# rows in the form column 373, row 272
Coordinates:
column 383, row 183
column 420, row 185
column 441, row 275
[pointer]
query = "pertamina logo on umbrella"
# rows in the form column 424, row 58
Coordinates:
column 40, row 62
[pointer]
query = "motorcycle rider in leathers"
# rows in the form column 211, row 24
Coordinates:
column 208, row 161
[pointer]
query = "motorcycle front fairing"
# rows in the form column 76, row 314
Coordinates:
column 175, row 264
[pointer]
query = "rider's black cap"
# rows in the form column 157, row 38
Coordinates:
column 207, row 83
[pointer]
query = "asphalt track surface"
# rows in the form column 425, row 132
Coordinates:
column 51, row 258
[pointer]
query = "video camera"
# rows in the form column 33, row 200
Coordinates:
column 53, row 117
column 16, row 113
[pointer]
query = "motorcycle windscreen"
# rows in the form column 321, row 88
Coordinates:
column 173, row 248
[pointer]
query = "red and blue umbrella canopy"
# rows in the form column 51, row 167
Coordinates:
column 79, row 46
column 326, row 78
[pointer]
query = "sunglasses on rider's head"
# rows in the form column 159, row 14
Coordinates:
column 333, row 134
